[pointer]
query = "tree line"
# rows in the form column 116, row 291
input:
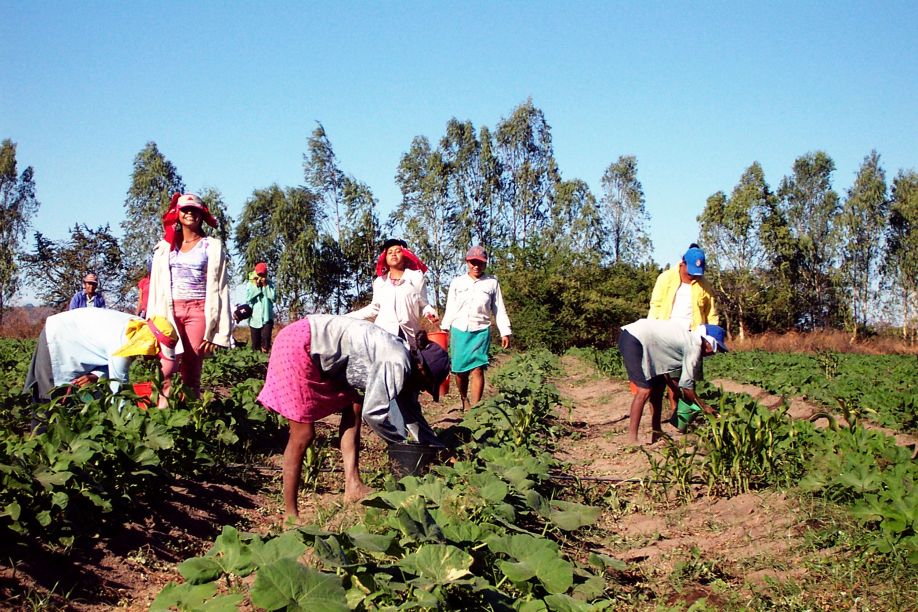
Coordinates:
column 573, row 264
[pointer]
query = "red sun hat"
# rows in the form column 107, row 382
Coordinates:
column 190, row 200
column 261, row 268
column 178, row 202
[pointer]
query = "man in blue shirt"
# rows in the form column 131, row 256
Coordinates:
column 88, row 297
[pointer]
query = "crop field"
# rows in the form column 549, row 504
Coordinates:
column 545, row 507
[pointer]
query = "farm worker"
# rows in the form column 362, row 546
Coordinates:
column 399, row 293
column 260, row 295
column 683, row 294
column 189, row 285
column 652, row 349
column 471, row 301
column 316, row 369
column 88, row 296
column 81, row 346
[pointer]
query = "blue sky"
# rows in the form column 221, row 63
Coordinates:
column 230, row 91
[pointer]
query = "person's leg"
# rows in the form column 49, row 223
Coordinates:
column 193, row 357
column 255, row 333
column 462, row 384
column 656, row 404
column 349, row 430
column 169, row 367
column 266, row 332
column 301, row 436
column 476, row 385
column 637, row 410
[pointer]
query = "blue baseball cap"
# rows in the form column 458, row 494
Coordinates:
column 694, row 261
column 716, row 337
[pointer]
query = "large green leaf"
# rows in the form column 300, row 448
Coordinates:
column 287, row 584
column 183, row 596
column 437, row 563
column 570, row 516
column 288, row 545
column 48, row 479
column 329, row 550
column 538, row 558
column 198, row 570
column 232, row 553
column 369, row 542
column 565, row 603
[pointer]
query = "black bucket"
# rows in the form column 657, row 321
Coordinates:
column 412, row 459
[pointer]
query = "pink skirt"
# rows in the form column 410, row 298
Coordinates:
column 294, row 386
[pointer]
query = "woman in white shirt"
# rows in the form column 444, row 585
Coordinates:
column 471, row 301
column 399, row 293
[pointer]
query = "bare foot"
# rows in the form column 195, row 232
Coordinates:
column 354, row 493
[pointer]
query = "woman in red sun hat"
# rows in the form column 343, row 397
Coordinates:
column 189, row 285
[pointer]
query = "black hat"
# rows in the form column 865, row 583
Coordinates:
column 391, row 242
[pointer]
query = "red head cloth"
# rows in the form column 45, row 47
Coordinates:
column 170, row 219
column 412, row 262
column 178, row 202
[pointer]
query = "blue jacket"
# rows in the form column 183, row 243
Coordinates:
column 79, row 300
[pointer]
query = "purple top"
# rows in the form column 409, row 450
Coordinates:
column 189, row 272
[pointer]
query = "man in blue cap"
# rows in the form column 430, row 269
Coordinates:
column 651, row 351
column 682, row 293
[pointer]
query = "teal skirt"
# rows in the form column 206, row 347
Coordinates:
column 469, row 350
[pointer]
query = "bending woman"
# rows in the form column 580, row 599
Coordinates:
column 316, row 369
column 399, row 293
column 189, row 285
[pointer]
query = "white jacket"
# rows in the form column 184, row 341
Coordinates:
column 398, row 306
column 218, row 310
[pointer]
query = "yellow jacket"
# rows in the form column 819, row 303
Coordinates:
column 664, row 292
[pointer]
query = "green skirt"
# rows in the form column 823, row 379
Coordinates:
column 468, row 350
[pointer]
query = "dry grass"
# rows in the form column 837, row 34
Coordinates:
column 825, row 340
column 20, row 322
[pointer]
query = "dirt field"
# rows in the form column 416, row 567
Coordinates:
column 708, row 547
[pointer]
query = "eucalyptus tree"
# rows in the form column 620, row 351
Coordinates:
column 153, row 181
column 17, row 206
column 863, row 222
column 282, row 228
column 342, row 200
column 362, row 235
column 213, row 199
column 901, row 262
column 575, row 224
column 487, row 229
column 325, row 178
column 731, row 231
column 56, row 268
column 524, row 148
column 427, row 215
column 811, row 208
column 255, row 233
column 625, row 218
column 461, row 152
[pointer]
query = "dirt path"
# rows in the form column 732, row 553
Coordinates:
column 751, row 530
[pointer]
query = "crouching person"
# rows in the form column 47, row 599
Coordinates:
column 318, row 366
column 78, row 347
column 652, row 349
